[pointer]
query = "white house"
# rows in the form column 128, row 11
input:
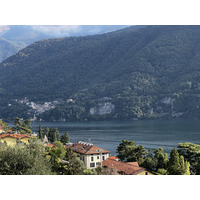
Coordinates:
column 91, row 155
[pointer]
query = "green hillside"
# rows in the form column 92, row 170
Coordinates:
column 135, row 73
column 8, row 48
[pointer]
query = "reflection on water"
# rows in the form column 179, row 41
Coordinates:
column 151, row 133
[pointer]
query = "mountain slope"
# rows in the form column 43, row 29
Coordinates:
column 20, row 36
column 8, row 48
column 137, row 72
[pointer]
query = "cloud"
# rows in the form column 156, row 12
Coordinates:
column 57, row 30
column 4, row 28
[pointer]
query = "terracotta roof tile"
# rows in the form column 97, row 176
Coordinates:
column 114, row 158
column 122, row 167
column 133, row 163
column 20, row 136
column 86, row 148
column 50, row 145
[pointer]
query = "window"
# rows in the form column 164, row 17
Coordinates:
column 92, row 158
column 103, row 157
column 98, row 164
column 92, row 164
column 97, row 157
column 146, row 173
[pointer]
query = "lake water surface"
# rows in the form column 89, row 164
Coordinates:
column 151, row 134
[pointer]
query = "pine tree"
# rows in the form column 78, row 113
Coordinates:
column 177, row 165
column 65, row 138
column 174, row 163
column 187, row 168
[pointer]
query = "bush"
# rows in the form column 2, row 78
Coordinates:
column 23, row 160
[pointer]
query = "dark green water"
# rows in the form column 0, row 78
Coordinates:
column 151, row 133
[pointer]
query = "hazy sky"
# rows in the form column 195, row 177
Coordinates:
column 65, row 30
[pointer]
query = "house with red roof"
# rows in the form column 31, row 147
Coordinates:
column 129, row 168
column 13, row 138
column 91, row 155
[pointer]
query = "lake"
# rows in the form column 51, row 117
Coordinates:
column 151, row 134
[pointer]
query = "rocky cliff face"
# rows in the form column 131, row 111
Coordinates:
column 102, row 109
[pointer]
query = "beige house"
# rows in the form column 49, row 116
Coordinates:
column 91, row 155
column 12, row 139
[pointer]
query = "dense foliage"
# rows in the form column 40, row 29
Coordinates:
column 24, row 160
column 145, row 72
column 53, row 135
column 157, row 161
column 22, row 126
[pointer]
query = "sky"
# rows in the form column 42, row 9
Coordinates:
column 59, row 30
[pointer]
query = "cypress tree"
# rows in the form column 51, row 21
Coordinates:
column 174, row 163
column 57, row 134
column 187, row 168
column 50, row 135
column 54, row 137
column 184, row 166
column 40, row 135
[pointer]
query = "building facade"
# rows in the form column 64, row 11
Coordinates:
column 12, row 139
column 91, row 155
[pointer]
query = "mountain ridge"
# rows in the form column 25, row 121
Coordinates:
column 142, row 72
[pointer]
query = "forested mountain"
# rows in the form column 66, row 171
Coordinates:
column 15, row 37
column 140, row 72
column 8, row 48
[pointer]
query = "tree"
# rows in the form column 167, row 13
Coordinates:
column 125, row 149
column 155, row 160
column 184, row 166
column 50, row 136
column 73, row 165
column 177, row 165
column 56, row 135
column 40, row 133
column 161, row 158
column 64, row 138
column 162, row 172
column 5, row 125
column 128, row 151
column 150, row 162
column 46, row 132
column 191, row 153
column 22, row 126
column 55, row 155
column 88, row 172
column 174, row 164
column 24, row 160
